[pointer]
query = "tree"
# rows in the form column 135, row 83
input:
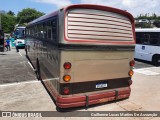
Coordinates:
column 157, row 23
column 8, row 23
column 27, row 15
column 10, row 13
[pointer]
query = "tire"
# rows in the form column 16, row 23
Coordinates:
column 156, row 60
column 38, row 71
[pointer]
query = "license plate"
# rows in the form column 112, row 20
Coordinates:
column 101, row 85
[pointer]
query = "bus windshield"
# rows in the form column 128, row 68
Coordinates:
column 19, row 32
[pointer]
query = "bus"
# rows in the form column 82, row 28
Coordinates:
column 19, row 34
column 83, row 54
column 148, row 45
column 1, row 41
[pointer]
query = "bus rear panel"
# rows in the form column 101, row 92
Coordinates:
column 99, row 45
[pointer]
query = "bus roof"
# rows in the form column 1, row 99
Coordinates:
column 20, row 27
column 88, row 6
column 43, row 17
column 147, row 30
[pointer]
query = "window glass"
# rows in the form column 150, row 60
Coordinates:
column 35, row 32
column 138, row 38
column 49, row 30
column 54, row 29
column 153, row 38
column 40, row 30
column 147, row 38
column 45, row 30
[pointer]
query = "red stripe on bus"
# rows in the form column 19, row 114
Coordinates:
column 100, row 27
column 100, row 31
column 96, row 19
column 98, row 35
column 76, row 101
column 70, row 99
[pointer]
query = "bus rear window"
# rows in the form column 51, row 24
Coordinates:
column 90, row 25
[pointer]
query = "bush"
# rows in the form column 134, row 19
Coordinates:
column 157, row 23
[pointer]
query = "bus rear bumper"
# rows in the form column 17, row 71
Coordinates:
column 64, row 102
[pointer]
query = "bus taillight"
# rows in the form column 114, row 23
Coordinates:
column 67, row 65
column 131, row 73
column 66, row 78
column 132, row 63
column 66, row 90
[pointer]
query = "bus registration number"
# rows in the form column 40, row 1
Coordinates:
column 102, row 85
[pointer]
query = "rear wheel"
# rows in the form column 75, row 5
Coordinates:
column 156, row 60
column 38, row 71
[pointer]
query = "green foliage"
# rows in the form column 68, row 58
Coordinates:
column 143, row 25
column 153, row 17
column 27, row 15
column 157, row 23
column 149, row 17
column 8, row 22
column 10, row 13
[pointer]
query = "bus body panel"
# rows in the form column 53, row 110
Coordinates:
column 86, row 64
column 146, row 52
column 92, row 68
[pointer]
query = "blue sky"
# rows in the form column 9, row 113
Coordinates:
column 18, row 5
column 135, row 7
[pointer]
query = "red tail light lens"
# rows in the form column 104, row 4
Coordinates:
column 132, row 63
column 67, row 65
column 66, row 90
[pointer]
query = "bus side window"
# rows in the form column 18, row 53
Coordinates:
column 141, row 38
column 138, row 38
column 45, row 30
column 40, row 30
column 49, row 30
column 54, row 29
column 153, row 39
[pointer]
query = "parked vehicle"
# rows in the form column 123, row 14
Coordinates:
column 148, row 45
column 83, row 54
column 19, row 34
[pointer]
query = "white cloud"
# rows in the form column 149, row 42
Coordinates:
column 57, row 3
column 135, row 7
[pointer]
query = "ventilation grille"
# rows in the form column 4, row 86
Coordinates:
column 87, row 24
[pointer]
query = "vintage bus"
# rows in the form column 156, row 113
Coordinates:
column 1, row 41
column 84, row 54
column 148, row 45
